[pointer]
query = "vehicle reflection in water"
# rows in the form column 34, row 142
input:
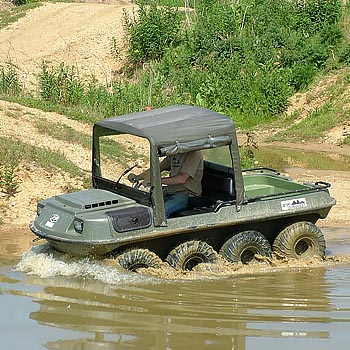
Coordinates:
column 221, row 313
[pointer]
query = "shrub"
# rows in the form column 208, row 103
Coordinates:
column 313, row 15
column 151, row 31
column 61, row 84
column 23, row 2
column 9, row 81
column 19, row 2
column 9, row 182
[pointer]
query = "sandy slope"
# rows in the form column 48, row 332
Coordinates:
column 77, row 34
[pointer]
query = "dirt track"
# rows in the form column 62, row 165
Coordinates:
column 77, row 34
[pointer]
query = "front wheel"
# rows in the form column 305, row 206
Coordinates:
column 191, row 253
column 301, row 240
column 136, row 258
column 243, row 246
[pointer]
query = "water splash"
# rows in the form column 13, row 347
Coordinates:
column 44, row 262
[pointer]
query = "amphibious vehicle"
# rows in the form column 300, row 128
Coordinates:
column 239, row 214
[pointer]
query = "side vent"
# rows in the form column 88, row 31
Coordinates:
column 132, row 218
column 101, row 204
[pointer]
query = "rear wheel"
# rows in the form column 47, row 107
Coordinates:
column 136, row 258
column 301, row 240
column 189, row 254
column 243, row 246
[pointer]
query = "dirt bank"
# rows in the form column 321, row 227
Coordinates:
column 18, row 123
column 78, row 34
column 81, row 34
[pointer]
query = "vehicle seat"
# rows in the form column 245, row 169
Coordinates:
column 217, row 187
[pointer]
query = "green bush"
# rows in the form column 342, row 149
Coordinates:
column 243, row 58
column 151, row 31
column 19, row 2
column 61, row 84
column 313, row 15
column 23, row 2
column 9, row 80
column 246, row 58
column 9, row 182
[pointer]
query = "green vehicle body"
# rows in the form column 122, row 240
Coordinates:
column 113, row 217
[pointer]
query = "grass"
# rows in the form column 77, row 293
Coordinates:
column 78, row 113
column 62, row 132
column 16, row 153
column 13, row 14
column 59, row 131
column 330, row 113
column 49, row 160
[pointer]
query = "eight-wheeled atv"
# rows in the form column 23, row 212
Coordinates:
column 239, row 214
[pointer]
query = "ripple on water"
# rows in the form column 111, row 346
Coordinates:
column 271, row 304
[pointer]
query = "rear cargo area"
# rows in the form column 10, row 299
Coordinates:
column 264, row 184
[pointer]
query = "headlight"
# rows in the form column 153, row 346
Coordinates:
column 78, row 225
column 39, row 208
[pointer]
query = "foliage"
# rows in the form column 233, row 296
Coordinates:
column 24, row 2
column 19, row 2
column 9, row 181
column 272, row 55
column 243, row 58
column 9, row 81
column 247, row 151
column 47, row 159
column 151, row 31
column 246, row 58
column 314, row 15
column 90, row 99
column 12, row 14
column 61, row 84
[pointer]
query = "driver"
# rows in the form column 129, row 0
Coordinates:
column 183, row 182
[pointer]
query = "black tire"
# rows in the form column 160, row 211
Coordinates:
column 136, row 258
column 244, row 245
column 301, row 240
column 189, row 254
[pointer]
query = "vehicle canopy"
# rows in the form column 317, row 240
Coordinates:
column 172, row 130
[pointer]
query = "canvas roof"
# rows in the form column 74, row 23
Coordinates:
column 177, row 123
column 171, row 130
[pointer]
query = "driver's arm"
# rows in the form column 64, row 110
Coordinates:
column 144, row 175
column 179, row 179
column 164, row 165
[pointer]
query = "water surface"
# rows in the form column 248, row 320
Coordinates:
column 281, row 159
column 67, row 303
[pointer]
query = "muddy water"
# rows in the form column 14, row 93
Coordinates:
column 51, row 301
column 282, row 159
